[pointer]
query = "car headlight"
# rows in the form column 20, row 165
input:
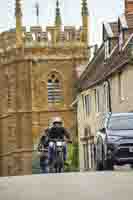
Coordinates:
column 113, row 138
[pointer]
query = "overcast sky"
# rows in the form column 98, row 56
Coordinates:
column 100, row 10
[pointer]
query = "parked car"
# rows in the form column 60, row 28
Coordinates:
column 114, row 143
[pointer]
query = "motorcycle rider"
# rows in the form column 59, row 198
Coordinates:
column 57, row 131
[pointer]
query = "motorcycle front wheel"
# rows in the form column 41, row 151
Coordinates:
column 60, row 163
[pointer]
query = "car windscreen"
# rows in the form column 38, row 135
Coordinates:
column 121, row 123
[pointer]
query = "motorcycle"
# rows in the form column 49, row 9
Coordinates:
column 57, row 165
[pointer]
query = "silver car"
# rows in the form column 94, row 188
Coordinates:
column 114, row 145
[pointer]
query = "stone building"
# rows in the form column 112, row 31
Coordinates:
column 106, row 83
column 38, row 72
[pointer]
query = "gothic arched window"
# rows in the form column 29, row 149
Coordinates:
column 54, row 89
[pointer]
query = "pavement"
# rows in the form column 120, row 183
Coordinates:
column 123, row 168
column 72, row 186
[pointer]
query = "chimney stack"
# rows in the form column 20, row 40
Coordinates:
column 128, row 6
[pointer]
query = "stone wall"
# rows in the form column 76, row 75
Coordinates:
column 15, row 118
column 62, row 61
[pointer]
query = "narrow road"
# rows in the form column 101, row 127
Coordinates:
column 73, row 186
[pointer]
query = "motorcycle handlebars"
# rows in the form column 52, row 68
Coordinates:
column 61, row 140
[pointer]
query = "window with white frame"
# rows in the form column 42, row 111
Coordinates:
column 121, row 86
column 87, row 100
column 97, row 99
column 107, row 49
column 106, row 97
column 83, row 102
column 83, row 107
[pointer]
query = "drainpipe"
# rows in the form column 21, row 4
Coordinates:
column 109, row 92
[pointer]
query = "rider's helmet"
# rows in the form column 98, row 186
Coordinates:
column 57, row 120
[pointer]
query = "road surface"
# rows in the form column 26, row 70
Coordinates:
column 71, row 186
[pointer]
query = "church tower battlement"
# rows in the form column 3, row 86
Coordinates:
column 41, row 38
column 57, row 35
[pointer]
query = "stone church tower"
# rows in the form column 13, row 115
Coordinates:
column 37, row 82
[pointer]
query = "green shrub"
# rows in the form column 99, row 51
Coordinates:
column 73, row 158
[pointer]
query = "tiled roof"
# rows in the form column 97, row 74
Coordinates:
column 97, row 70
column 94, row 61
column 102, row 71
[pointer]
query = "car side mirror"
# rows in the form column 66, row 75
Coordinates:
column 103, row 130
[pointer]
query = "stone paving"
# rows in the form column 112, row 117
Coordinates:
column 71, row 186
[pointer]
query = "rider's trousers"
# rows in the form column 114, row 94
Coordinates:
column 44, row 164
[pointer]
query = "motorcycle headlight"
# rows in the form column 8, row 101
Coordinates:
column 113, row 138
column 59, row 144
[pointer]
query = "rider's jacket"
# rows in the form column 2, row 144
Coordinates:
column 58, row 133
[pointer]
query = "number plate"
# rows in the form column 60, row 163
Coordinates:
column 131, row 149
column 59, row 144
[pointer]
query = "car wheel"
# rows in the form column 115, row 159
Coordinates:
column 99, row 158
column 131, row 166
column 99, row 166
column 109, row 165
